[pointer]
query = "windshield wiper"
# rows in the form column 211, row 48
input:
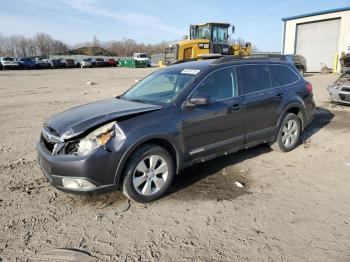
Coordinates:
column 139, row 100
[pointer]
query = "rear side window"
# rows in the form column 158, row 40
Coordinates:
column 283, row 75
column 255, row 78
column 219, row 85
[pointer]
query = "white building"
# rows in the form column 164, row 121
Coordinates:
column 320, row 37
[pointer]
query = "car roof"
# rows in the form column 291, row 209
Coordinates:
column 197, row 64
column 225, row 61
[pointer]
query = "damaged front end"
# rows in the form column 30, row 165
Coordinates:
column 340, row 90
column 81, row 144
column 81, row 163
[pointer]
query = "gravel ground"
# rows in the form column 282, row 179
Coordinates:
column 293, row 206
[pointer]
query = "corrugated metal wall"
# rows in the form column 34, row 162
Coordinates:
column 318, row 43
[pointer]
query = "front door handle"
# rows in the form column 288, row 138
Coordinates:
column 236, row 107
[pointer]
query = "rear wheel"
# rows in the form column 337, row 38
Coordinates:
column 149, row 173
column 288, row 134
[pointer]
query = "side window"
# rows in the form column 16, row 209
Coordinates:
column 219, row 85
column 283, row 75
column 255, row 77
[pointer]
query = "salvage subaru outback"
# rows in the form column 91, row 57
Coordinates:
column 178, row 116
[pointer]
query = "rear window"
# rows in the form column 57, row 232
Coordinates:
column 255, row 78
column 283, row 75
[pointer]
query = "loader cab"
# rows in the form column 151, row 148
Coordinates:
column 216, row 33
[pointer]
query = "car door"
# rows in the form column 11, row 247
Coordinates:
column 218, row 125
column 262, row 101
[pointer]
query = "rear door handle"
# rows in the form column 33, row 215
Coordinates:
column 280, row 95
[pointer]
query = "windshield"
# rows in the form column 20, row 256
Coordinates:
column 8, row 59
column 143, row 55
column 161, row 87
column 202, row 32
column 220, row 34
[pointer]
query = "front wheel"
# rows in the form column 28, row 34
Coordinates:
column 288, row 134
column 149, row 173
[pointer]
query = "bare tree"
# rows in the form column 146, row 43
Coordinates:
column 95, row 42
column 43, row 43
column 58, row 47
column 2, row 44
column 127, row 47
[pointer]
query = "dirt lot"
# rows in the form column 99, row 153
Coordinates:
column 293, row 207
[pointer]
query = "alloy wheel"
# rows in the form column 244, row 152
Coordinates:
column 150, row 175
column 290, row 133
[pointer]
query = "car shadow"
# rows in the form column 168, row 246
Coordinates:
column 322, row 117
column 213, row 179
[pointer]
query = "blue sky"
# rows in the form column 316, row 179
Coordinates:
column 151, row 21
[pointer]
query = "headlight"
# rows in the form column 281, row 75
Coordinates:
column 100, row 137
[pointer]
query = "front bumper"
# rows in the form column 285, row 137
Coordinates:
column 339, row 95
column 27, row 66
column 10, row 65
column 98, row 167
column 86, row 65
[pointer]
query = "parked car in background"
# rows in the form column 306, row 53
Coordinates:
column 86, row 63
column 100, row 62
column 57, row 63
column 43, row 63
column 93, row 62
column 8, row 63
column 77, row 63
column 26, row 63
column 69, row 63
column 111, row 62
column 345, row 62
column 178, row 116
column 340, row 90
column 298, row 61
column 142, row 57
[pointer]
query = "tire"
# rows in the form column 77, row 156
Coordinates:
column 288, row 136
column 140, row 183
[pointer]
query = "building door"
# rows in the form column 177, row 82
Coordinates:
column 318, row 43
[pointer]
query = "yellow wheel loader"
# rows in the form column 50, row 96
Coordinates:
column 205, row 40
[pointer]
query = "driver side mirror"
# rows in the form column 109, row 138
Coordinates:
column 198, row 101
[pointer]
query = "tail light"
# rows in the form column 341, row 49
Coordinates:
column 309, row 87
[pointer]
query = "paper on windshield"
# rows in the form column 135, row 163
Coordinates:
column 190, row 71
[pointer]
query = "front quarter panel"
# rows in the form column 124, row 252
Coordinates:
column 160, row 124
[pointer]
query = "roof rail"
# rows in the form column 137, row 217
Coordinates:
column 229, row 58
column 201, row 57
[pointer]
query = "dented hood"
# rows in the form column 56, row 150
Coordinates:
column 79, row 119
